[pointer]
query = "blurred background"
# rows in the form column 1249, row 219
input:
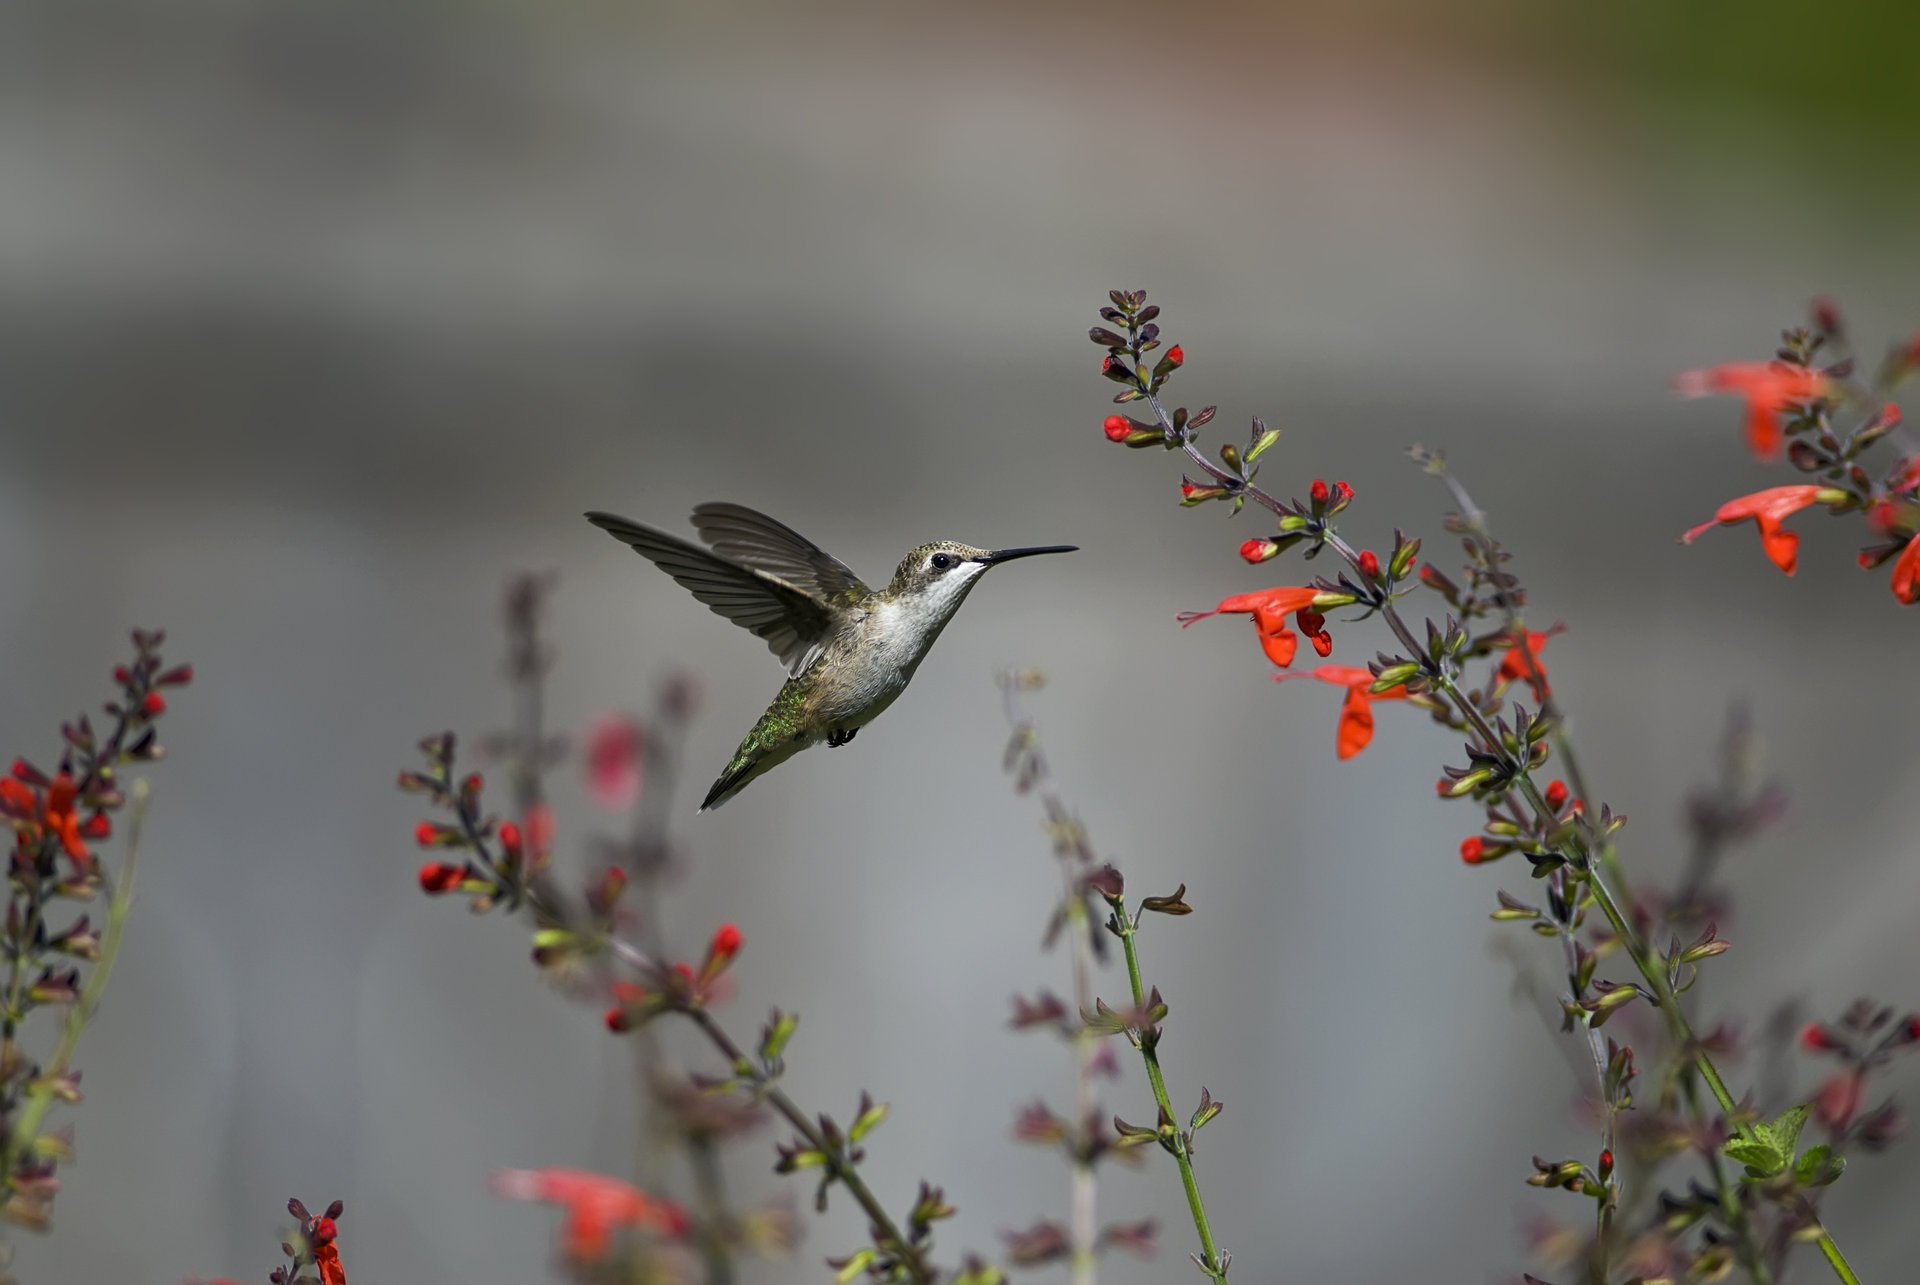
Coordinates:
column 321, row 320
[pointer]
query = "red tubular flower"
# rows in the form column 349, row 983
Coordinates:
column 539, row 824
column 1355, row 730
column 510, row 839
column 596, row 1206
column 426, row 834
column 440, row 876
column 153, row 705
column 1473, row 850
column 1557, row 795
column 1270, row 609
column 614, row 749
column 1906, row 573
column 1176, row 354
column 1522, row 663
column 1369, row 564
column 1259, row 550
column 326, row 1256
column 1768, row 509
column 1838, row 1098
column 1816, row 1039
column 1768, row 387
column 1318, row 491
column 1117, row 428
column 57, row 814
column 726, row 943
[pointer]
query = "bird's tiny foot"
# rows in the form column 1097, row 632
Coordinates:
column 838, row 737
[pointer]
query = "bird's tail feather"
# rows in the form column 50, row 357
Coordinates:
column 770, row 743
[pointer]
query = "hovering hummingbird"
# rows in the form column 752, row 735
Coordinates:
column 849, row 650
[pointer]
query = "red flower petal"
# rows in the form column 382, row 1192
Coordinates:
column 1906, row 573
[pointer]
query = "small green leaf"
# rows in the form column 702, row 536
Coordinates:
column 1818, row 1167
column 871, row 1114
column 1784, row 1132
column 1263, row 441
column 854, row 1266
column 1759, row 1157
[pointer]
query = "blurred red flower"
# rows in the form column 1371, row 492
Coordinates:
column 596, row 1207
column 1906, row 573
column 615, row 744
column 1355, row 730
column 1768, row 387
column 1522, row 663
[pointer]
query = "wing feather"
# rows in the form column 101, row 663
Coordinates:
column 758, row 541
column 792, row 620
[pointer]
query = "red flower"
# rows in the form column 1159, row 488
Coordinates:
column 1342, row 495
column 1474, row 850
column 440, row 876
column 58, row 815
column 1369, row 564
column 1117, row 428
column 1557, row 795
column 426, row 834
column 510, row 839
column 1768, row 509
column 1768, row 387
column 47, row 810
column 596, row 1206
column 614, row 746
column 1355, row 731
column 1906, row 573
column 1318, row 491
column 1522, row 663
column 1269, row 609
column 1815, row 1038
column 1176, row 354
column 539, row 826
column 726, row 943
column 1838, row 1099
column 327, row 1259
column 153, row 705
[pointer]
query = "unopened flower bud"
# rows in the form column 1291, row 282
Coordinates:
column 1258, row 551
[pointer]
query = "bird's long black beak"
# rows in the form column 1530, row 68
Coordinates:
column 1008, row 555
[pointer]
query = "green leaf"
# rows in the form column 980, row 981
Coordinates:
column 1760, row 1158
column 1818, row 1167
column 871, row 1114
column 855, row 1266
column 1784, row 1132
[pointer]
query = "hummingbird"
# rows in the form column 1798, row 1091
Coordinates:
column 849, row 650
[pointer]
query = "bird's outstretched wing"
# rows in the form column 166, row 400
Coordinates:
column 792, row 620
column 758, row 541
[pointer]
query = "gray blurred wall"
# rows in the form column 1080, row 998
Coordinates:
column 320, row 321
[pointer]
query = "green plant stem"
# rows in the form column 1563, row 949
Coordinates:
column 40, row 1098
column 1836, row 1259
column 714, row 1222
column 888, row 1232
column 1149, row 1052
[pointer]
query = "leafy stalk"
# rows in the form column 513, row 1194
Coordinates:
column 1211, row 1260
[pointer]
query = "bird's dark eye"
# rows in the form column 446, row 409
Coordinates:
column 941, row 562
